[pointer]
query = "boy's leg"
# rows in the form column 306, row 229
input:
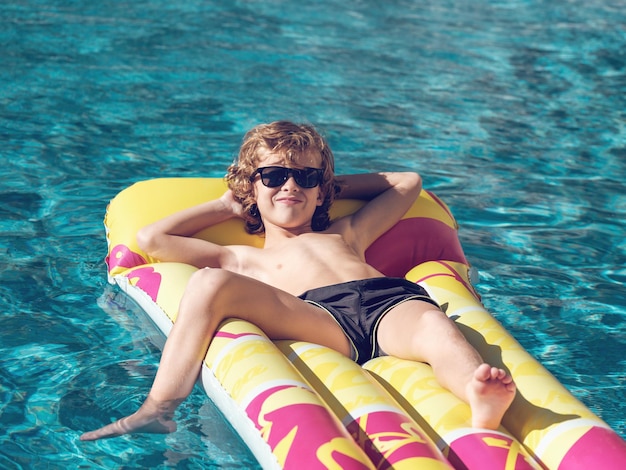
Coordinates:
column 213, row 295
column 417, row 331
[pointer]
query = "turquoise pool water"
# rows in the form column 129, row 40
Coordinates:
column 513, row 112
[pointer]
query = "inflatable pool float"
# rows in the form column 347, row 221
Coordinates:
column 299, row 405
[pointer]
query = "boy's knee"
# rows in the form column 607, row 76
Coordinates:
column 437, row 321
column 209, row 274
column 432, row 325
column 208, row 281
column 205, row 295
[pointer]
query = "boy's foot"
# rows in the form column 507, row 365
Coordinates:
column 152, row 417
column 490, row 393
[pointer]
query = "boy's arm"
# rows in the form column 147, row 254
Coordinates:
column 389, row 196
column 170, row 239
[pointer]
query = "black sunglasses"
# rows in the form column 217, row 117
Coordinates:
column 274, row 176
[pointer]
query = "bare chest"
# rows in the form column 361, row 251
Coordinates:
column 306, row 262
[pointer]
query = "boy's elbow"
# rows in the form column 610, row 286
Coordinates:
column 412, row 182
column 416, row 179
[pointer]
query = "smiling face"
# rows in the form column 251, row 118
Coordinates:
column 288, row 206
column 282, row 143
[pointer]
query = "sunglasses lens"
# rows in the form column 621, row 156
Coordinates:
column 307, row 178
column 273, row 177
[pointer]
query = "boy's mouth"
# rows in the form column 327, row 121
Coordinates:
column 288, row 200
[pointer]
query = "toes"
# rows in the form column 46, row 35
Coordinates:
column 486, row 373
column 483, row 373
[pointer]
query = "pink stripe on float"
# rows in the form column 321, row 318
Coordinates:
column 304, row 434
column 484, row 450
column 599, row 448
column 226, row 334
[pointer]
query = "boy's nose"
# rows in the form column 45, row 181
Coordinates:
column 290, row 183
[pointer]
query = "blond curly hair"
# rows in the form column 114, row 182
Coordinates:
column 289, row 140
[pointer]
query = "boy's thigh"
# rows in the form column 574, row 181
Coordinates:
column 413, row 330
column 281, row 316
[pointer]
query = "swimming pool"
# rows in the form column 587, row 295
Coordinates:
column 513, row 112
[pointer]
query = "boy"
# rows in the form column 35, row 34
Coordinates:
column 309, row 282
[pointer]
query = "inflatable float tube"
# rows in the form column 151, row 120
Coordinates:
column 298, row 405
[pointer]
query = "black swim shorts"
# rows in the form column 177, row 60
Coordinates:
column 358, row 307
